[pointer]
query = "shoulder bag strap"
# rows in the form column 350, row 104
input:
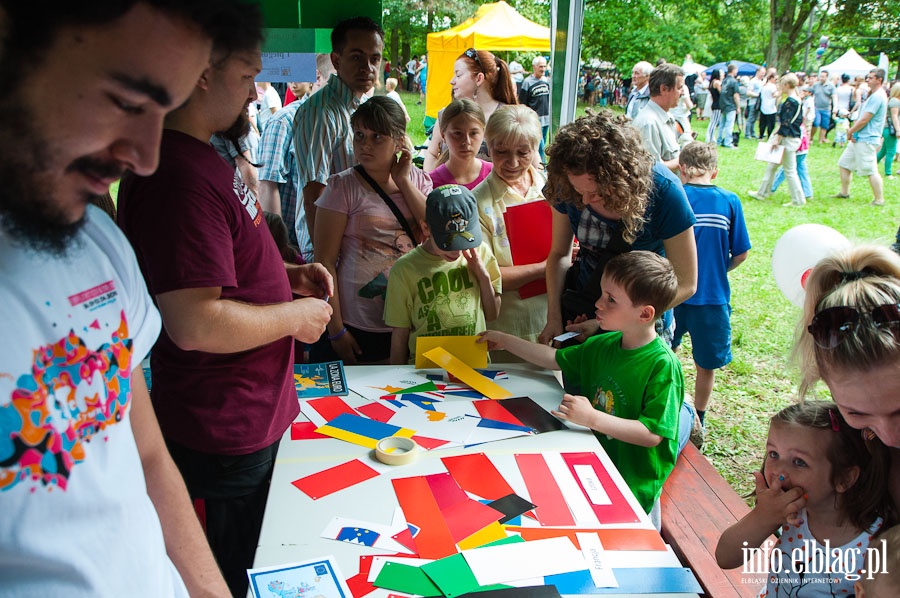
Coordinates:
column 387, row 199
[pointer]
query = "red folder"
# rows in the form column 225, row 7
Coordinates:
column 528, row 227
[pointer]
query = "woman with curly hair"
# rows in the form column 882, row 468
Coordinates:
column 609, row 194
column 480, row 76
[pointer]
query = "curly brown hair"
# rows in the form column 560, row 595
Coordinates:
column 604, row 146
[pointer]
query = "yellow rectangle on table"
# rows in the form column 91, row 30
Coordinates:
column 464, row 348
column 467, row 375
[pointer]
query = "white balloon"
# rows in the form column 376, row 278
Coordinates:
column 797, row 251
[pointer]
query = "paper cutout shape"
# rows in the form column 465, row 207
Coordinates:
column 361, row 430
column 335, row 478
column 365, row 533
column 376, row 411
column 378, row 383
column 475, row 473
column 528, row 230
column 615, row 508
column 320, row 379
column 453, row 577
column 424, row 387
column 496, row 411
column 466, row 348
column 434, row 540
column 525, row 560
column 429, row 443
column 612, row 539
column 532, row 415
column 511, row 506
column 406, row 578
column 305, row 431
column 543, row 491
column 454, row 366
column 644, row 580
column 359, row 585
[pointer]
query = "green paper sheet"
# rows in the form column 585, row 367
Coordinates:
column 453, row 576
column 405, row 578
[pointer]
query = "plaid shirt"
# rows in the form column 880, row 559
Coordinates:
column 276, row 154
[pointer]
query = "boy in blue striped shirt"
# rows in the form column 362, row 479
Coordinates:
column 722, row 245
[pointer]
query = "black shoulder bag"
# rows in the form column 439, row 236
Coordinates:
column 387, row 199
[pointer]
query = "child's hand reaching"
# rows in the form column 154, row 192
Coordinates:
column 496, row 340
column 774, row 504
column 576, row 409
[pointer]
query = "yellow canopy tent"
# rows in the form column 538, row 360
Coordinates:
column 495, row 27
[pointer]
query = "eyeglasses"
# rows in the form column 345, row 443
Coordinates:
column 830, row 327
column 473, row 54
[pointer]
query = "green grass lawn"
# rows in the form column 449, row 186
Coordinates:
column 758, row 382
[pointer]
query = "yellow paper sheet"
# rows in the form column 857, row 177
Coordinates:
column 467, row 375
column 471, row 353
column 491, row 533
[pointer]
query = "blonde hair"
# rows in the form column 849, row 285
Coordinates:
column 863, row 277
column 390, row 84
column 697, row 159
column 895, row 90
column 513, row 125
column 604, row 146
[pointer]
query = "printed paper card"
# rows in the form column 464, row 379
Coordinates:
column 365, row 533
column 595, row 557
column 320, row 379
column 466, row 348
column 316, row 577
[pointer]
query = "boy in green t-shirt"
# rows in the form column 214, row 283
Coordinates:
column 447, row 286
column 633, row 379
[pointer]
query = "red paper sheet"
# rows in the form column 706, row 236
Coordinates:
column 336, row 478
column 434, row 540
column 495, row 410
column 377, row 411
column 612, row 539
column 528, row 227
column 543, row 491
column 429, row 443
column 468, row 517
column 330, row 407
column 476, row 474
column 359, row 585
column 445, row 490
column 305, row 431
column 619, row 511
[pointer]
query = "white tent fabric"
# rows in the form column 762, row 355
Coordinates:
column 850, row 63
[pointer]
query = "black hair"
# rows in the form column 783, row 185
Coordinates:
column 845, row 78
column 31, row 28
column 340, row 31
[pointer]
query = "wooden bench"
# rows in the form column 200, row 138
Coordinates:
column 697, row 506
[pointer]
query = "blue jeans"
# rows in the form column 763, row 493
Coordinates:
column 802, row 172
column 685, row 425
column 725, row 128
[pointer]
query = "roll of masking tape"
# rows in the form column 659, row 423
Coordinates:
column 395, row 450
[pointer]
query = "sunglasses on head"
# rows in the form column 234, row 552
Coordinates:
column 473, row 54
column 830, row 327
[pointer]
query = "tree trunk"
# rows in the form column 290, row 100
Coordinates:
column 787, row 35
column 395, row 50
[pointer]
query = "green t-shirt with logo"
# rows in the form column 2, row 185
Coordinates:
column 434, row 297
column 644, row 384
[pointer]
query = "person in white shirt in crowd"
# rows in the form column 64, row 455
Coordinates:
column 390, row 87
column 864, row 138
column 753, row 102
column 269, row 104
column 640, row 89
column 656, row 125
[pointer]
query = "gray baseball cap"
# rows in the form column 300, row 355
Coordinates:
column 451, row 213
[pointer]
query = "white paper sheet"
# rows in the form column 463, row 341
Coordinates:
column 596, row 558
column 537, row 558
column 578, row 505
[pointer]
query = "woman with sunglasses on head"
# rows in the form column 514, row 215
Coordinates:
column 477, row 75
column 849, row 337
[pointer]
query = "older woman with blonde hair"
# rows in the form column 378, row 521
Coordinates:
column 608, row 192
column 513, row 135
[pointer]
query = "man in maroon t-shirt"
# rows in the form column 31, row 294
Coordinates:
column 222, row 368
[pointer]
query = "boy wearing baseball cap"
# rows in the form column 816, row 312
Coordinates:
column 447, row 286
